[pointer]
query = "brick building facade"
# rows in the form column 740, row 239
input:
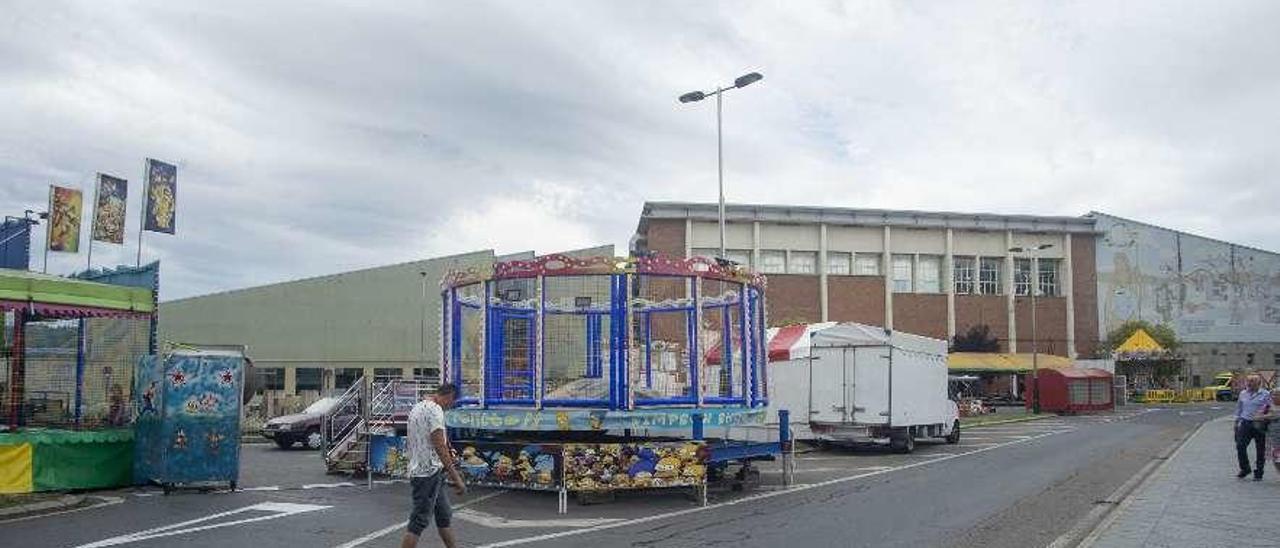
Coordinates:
column 936, row 274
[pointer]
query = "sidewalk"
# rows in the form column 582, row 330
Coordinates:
column 1196, row 500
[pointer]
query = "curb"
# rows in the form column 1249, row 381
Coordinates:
column 61, row 503
column 1008, row 421
column 1085, row 532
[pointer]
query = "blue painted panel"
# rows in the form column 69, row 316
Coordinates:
column 188, row 429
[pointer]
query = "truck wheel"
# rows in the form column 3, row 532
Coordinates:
column 284, row 444
column 954, row 437
column 905, row 443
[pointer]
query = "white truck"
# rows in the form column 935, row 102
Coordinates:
column 855, row 383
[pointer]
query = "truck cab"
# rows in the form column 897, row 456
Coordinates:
column 1224, row 386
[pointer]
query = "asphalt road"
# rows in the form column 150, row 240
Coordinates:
column 1007, row 485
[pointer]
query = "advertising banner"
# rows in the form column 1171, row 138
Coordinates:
column 579, row 420
column 108, row 211
column 161, row 199
column 65, row 207
column 645, row 465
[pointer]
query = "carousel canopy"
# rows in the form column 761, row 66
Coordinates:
column 69, row 298
column 1138, row 344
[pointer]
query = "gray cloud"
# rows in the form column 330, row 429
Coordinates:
column 320, row 137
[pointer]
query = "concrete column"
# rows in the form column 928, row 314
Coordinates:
column 688, row 236
column 822, row 270
column 407, row 372
column 328, row 379
column 1068, row 290
column 291, row 380
column 949, row 284
column 755, row 245
column 1007, row 284
column 886, row 268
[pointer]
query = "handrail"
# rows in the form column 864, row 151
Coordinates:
column 342, row 421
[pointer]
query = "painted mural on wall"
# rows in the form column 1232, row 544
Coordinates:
column 1206, row 290
column 613, row 466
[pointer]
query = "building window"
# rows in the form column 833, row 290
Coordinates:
column 963, row 267
column 309, row 378
column 388, row 373
column 838, row 263
column 929, row 274
column 1022, row 277
column 866, row 264
column 773, row 261
column 1049, row 277
column 707, row 252
column 272, row 378
column 1248, row 359
column 740, row 256
column 344, row 377
column 1195, row 381
column 803, row 262
column 902, row 273
column 989, row 276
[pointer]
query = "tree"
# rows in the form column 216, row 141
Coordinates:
column 977, row 339
column 1163, row 334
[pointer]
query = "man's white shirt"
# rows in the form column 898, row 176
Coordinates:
column 426, row 417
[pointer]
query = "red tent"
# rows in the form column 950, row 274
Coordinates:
column 1071, row 390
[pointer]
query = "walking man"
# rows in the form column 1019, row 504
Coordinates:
column 1253, row 402
column 430, row 460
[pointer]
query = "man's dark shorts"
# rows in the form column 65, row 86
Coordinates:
column 429, row 499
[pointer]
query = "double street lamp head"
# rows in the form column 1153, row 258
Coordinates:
column 740, row 82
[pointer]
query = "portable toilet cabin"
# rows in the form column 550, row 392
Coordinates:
column 1070, row 390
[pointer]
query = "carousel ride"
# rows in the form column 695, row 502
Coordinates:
column 599, row 374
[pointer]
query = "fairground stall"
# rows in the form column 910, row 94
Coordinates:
column 1072, row 390
column 70, row 347
column 590, row 374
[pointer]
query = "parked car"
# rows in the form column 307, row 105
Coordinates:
column 301, row 427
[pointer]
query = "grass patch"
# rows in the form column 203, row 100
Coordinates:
column 1001, row 418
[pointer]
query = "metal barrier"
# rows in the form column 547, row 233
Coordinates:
column 1189, row 395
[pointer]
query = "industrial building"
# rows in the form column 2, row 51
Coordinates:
column 939, row 274
column 316, row 335
column 932, row 273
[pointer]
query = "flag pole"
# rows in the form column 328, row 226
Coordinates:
column 94, row 226
column 142, row 221
column 48, row 233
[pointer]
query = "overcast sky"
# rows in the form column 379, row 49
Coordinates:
column 317, row 138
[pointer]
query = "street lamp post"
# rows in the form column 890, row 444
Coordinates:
column 1035, row 351
column 694, row 96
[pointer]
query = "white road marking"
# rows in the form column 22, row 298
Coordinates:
column 277, row 510
column 328, row 485
column 498, row 522
column 807, row 470
column 400, row 526
column 265, row 488
column 752, row 498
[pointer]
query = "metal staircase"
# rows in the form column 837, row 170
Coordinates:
column 345, row 431
column 378, row 407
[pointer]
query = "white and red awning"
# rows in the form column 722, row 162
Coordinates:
column 785, row 343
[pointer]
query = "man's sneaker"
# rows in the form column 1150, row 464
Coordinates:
column 1242, row 474
column 1257, row 476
